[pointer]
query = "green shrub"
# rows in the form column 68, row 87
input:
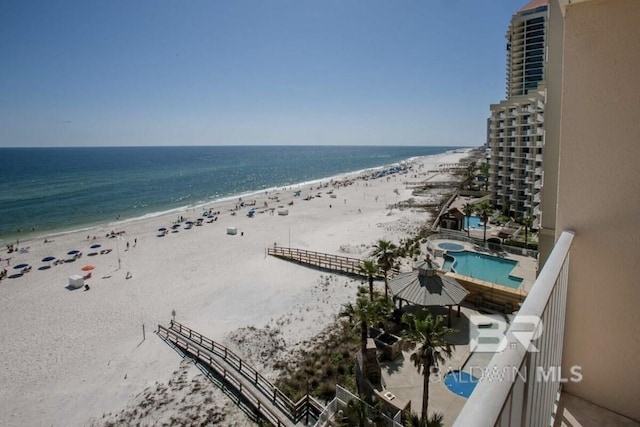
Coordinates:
column 517, row 244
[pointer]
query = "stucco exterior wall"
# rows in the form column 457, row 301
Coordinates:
column 599, row 198
column 551, row 149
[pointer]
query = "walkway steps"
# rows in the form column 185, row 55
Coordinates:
column 265, row 398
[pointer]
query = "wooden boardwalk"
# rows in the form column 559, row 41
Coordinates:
column 265, row 398
column 341, row 264
column 318, row 259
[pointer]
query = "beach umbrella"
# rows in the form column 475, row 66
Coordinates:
column 96, row 246
column 162, row 229
column 189, row 222
column 73, row 252
column 20, row 266
column 174, row 226
column 48, row 259
column 87, row 268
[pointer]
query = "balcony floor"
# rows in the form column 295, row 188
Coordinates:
column 575, row 412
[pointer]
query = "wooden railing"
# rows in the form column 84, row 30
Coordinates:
column 319, row 259
column 194, row 343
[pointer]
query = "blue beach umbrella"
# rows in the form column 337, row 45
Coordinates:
column 162, row 229
column 96, row 246
column 48, row 259
column 73, row 252
column 20, row 266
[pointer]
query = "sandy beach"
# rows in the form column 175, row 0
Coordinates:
column 78, row 357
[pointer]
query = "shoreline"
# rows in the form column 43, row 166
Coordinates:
column 73, row 355
column 34, row 235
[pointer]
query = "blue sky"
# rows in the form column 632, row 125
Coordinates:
column 238, row 72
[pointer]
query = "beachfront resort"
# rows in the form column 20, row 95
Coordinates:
column 107, row 262
column 325, row 304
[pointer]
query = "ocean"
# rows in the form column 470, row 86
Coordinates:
column 50, row 190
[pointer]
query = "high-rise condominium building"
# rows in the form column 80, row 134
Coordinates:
column 516, row 134
column 586, row 295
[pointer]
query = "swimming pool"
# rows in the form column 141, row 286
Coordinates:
column 460, row 383
column 483, row 267
column 449, row 246
column 474, row 222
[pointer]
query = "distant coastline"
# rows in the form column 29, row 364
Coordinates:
column 53, row 191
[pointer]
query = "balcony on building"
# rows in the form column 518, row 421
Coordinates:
column 521, row 166
column 586, row 288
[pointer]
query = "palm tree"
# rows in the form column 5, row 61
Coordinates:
column 414, row 420
column 484, row 209
column 468, row 176
column 468, row 210
column 426, row 335
column 386, row 253
column 370, row 269
column 484, row 170
column 526, row 221
column 363, row 314
column 361, row 414
column 357, row 413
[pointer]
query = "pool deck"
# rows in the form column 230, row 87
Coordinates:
column 403, row 380
column 525, row 267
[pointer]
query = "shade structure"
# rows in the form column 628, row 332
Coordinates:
column 48, row 259
column 427, row 287
column 20, row 266
column 87, row 268
column 162, row 229
column 96, row 246
column 73, row 252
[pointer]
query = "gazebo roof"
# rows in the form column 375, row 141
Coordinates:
column 426, row 287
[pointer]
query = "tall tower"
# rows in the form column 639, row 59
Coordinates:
column 516, row 134
column 526, row 45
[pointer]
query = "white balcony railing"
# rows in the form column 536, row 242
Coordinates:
column 527, row 393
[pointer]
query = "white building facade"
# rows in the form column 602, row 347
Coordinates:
column 516, row 134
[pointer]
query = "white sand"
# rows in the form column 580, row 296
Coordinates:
column 68, row 357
